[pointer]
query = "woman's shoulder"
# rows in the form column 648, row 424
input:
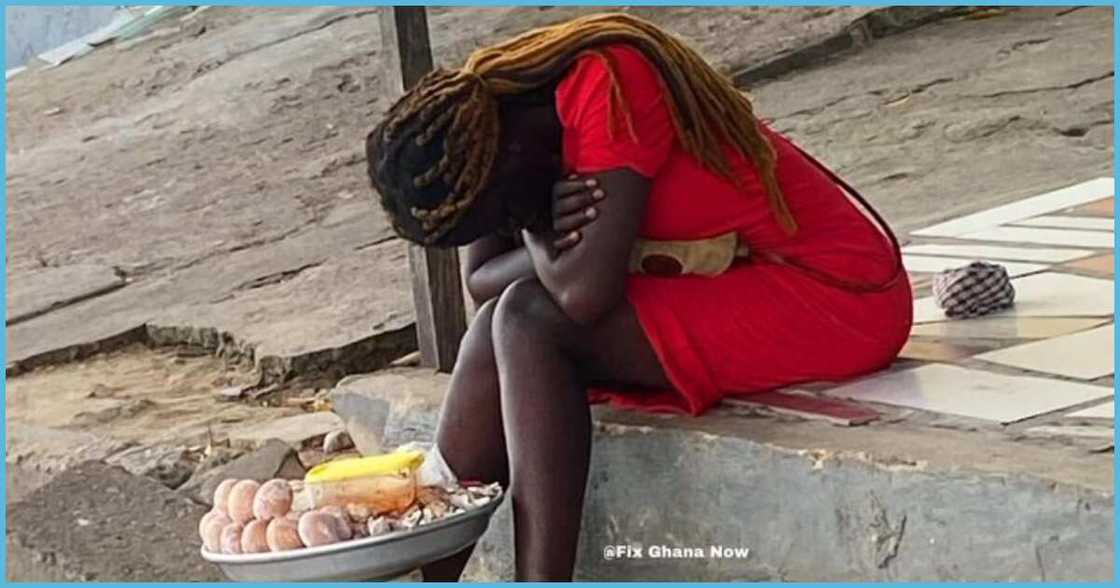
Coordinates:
column 613, row 108
column 620, row 62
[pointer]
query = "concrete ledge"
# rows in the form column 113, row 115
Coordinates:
column 910, row 498
column 808, row 518
column 96, row 522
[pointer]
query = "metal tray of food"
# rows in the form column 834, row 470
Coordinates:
column 383, row 557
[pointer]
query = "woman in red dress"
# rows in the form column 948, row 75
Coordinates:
column 586, row 167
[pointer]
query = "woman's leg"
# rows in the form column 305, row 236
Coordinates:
column 470, row 426
column 545, row 363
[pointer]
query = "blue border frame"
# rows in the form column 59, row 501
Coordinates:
column 3, row 162
column 3, row 291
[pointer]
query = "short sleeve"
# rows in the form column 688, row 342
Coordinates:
column 596, row 137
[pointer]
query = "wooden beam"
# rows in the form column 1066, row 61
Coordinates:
column 437, row 288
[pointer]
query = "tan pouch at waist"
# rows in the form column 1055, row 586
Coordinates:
column 703, row 257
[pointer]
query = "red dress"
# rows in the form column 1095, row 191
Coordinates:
column 760, row 325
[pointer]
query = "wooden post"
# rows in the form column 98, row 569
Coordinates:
column 437, row 289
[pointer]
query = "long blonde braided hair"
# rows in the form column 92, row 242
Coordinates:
column 462, row 106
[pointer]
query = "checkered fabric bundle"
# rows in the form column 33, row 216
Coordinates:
column 976, row 289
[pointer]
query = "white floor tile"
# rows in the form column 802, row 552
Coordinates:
column 1087, row 223
column 1006, row 327
column 972, row 393
column 996, row 252
column 1100, row 411
column 922, row 263
column 1026, row 208
column 1045, row 294
column 1066, row 237
column 1087, row 355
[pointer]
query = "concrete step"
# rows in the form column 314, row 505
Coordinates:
column 912, row 497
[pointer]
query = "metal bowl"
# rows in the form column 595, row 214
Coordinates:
column 372, row 558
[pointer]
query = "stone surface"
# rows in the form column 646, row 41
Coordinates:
column 167, row 465
column 96, row 522
column 39, row 291
column 275, row 459
column 1033, row 84
column 390, row 408
column 274, row 250
column 336, row 441
column 296, row 268
column 35, row 454
column 294, row 430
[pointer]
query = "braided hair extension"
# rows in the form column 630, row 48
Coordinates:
column 453, row 117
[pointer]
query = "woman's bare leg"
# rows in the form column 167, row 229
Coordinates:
column 469, row 435
column 545, row 363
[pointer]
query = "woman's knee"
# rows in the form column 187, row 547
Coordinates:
column 477, row 347
column 525, row 308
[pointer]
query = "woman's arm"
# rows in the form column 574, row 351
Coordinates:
column 493, row 263
column 588, row 280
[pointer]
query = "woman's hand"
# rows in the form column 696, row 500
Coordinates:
column 589, row 280
column 573, row 208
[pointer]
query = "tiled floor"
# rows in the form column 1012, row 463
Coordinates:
column 970, row 392
column 920, row 280
column 997, row 253
column 1087, row 223
column 1063, row 237
column 1087, row 355
column 1072, row 196
column 929, row 264
column 1047, row 294
column 1101, row 265
column 937, row 351
column 1007, row 327
column 1105, row 207
column 1060, row 327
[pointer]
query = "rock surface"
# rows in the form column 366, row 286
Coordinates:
column 960, row 115
column 390, row 408
column 170, row 466
column 35, row 454
column 96, row 522
column 296, row 430
column 274, row 459
column 39, row 291
column 296, row 268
